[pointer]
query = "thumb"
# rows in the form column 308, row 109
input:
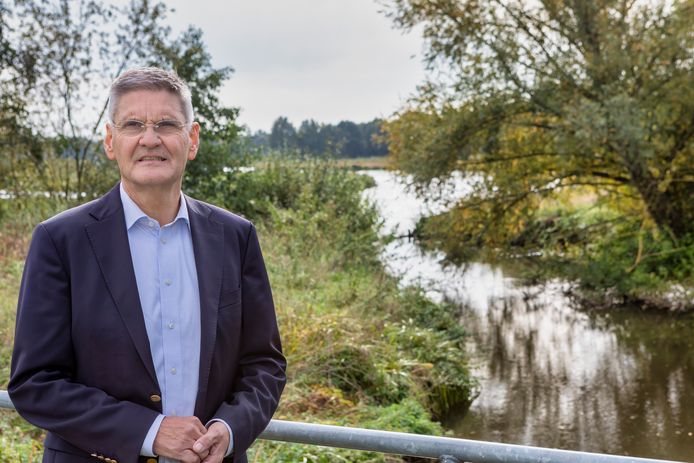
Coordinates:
column 203, row 443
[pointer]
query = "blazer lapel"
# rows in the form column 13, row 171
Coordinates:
column 208, row 246
column 109, row 240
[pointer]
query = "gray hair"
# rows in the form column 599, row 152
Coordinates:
column 150, row 78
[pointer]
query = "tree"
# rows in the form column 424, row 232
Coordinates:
column 541, row 97
column 283, row 134
column 310, row 137
column 58, row 62
column 374, row 144
column 65, row 61
column 18, row 73
column 350, row 139
column 188, row 56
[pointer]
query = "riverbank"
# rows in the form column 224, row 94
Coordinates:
column 380, row 162
column 606, row 259
column 361, row 351
column 613, row 381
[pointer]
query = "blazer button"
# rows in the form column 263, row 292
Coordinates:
column 151, row 460
column 155, row 398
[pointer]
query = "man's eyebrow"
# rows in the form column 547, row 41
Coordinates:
column 162, row 117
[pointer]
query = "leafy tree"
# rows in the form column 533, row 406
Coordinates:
column 373, row 138
column 350, row 139
column 260, row 140
column 540, row 98
column 188, row 56
column 66, row 61
column 311, row 137
column 283, row 135
column 58, row 61
column 220, row 142
column 16, row 73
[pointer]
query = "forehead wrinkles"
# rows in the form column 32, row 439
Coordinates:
column 149, row 106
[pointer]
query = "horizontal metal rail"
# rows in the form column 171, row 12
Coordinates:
column 445, row 449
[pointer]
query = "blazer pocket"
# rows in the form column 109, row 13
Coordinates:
column 56, row 456
column 230, row 298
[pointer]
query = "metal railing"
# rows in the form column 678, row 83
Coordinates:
column 445, row 449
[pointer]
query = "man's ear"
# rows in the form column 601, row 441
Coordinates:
column 194, row 137
column 108, row 142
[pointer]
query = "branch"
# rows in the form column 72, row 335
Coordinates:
column 551, row 59
column 607, row 175
column 509, row 158
column 681, row 141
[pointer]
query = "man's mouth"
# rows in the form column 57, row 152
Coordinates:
column 152, row 158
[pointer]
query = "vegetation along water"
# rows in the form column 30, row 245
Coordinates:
column 551, row 372
column 362, row 351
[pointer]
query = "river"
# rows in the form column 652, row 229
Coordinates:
column 552, row 375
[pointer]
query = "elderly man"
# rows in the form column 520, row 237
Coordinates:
column 146, row 329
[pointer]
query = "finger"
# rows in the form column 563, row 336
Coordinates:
column 188, row 456
column 199, row 426
column 205, row 443
column 203, row 455
column 214, row 456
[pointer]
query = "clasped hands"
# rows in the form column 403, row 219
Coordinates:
column 186, row 439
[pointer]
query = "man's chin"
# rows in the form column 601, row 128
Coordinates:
column 141, row 182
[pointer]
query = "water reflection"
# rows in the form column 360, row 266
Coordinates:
column 619, row 382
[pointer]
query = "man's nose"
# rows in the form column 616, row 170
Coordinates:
column 149, row 137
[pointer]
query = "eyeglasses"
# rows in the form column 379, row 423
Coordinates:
column 133, row 127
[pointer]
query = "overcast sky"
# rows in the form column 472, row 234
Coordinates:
column 328, row 60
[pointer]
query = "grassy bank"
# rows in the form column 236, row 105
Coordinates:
column 361, row 351
column 380, row 162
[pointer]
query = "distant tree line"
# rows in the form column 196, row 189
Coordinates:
column 345, row 140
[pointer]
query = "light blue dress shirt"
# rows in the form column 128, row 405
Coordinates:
column 167, row 284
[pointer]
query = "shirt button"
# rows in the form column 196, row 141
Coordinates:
column 173, row 371
column 171, row 325
column 151, row 224
column 167, row 282
column 163, row 241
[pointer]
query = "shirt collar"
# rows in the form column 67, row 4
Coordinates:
column 133, row 213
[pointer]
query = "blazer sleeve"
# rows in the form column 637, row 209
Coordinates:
column 43, row 363
column 261, row 376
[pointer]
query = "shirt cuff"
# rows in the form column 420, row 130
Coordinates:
column 231, row 435
column 148, row 445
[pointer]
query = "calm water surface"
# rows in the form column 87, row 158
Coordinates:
column 619, row 382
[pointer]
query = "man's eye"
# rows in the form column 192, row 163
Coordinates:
column 132, row 125
column 168, row 124
column 168, row 127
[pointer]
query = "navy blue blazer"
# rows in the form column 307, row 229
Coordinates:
column 82, row 367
